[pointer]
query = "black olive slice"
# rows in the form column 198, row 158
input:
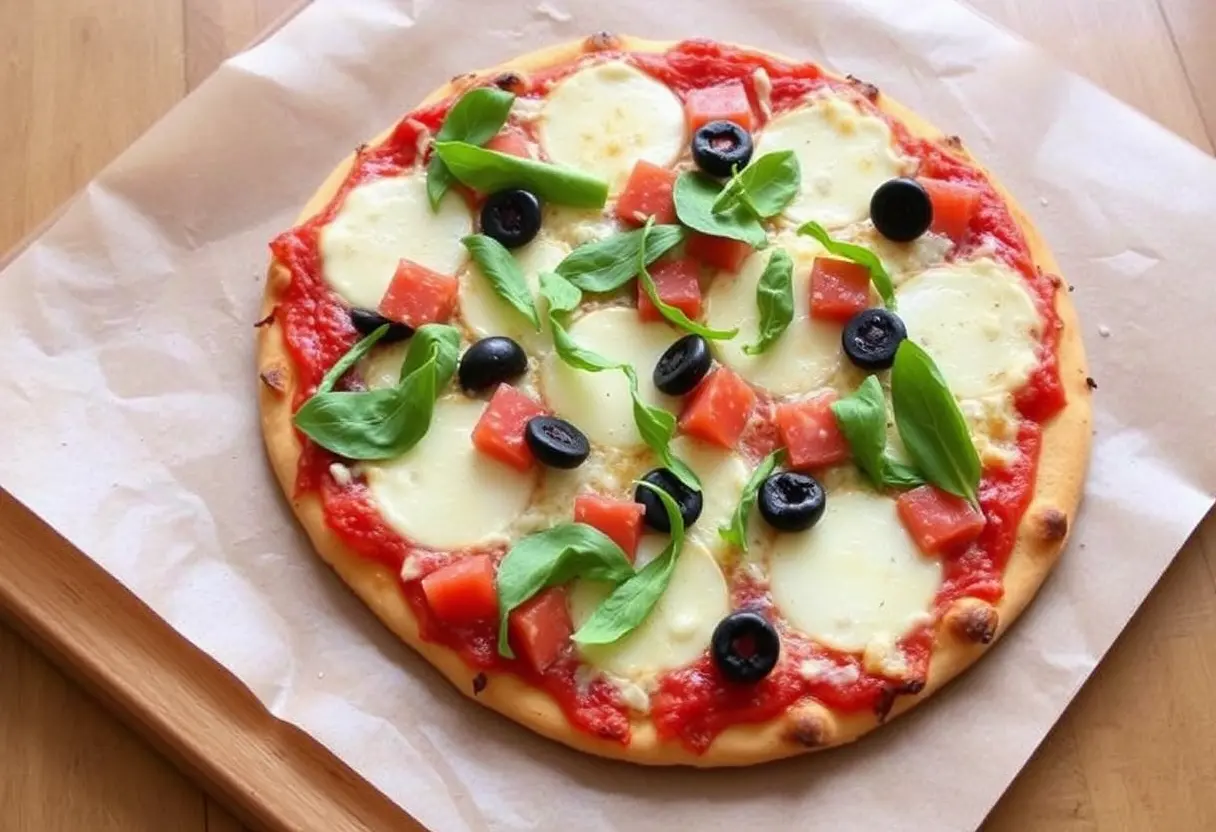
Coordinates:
column 745, row 647
column 366, row 321
column 720, row 147
column 901, row 210
column 689, row 500
column 491, row 361
column 556, row 443
column 791, row 502
column 682, row 366
column 512, row 217
column 871, row 337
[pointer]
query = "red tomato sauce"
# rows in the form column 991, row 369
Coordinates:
column 693, row 704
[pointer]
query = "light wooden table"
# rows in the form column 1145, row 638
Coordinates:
column 80, row 79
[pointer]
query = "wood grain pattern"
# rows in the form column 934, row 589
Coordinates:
column 1133, row 752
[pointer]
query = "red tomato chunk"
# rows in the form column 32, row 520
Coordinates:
column 463, row 591
column 954, row 205
column 724, row 102
column 719, row 409
column 648, row 194
column 500, row 430
column 717, row 252
column 678, row 284
column 938, row 521
column 620, row 520
column 810, row 434
column 419, row 296
column 540, row 629
column 839, row 289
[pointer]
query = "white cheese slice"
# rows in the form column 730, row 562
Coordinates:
column 855, row 577
column 381, row 224
column 678, row 629
column 382, row 368
column 806, row 355
column 844, row 155
column 723, row 475
column 444, row 492
column 605, row 118
column 599, row 403
column 977, row 321
column 486, row 314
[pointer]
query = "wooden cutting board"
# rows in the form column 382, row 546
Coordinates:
column 1133, row 752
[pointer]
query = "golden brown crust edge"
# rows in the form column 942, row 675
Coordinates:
column 963, row 634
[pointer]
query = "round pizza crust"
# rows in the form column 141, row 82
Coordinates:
column 964, row 631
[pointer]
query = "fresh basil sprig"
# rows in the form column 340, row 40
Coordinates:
column 671, row 313
column 736, row 532
column 695, row 196
column 860, row 255
column 862, row 418
column 551, row 558
column 489, row 171
column 764, row 187
column 500, row 268
column 931, row 425
column 361, row 348
column 382, row 424
column 606, row 265
column 655, row 425
column 774, row 300
column 475, row 118
column 631, row 602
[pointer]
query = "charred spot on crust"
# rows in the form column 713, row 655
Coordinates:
column 809, row 728
column 1055, row 280
column 275, row 378
column 267, row 321
column 886, row 699
column 1090, row 383
column 953, row 142
column 1053, row 525
column 511, row 82
column 361, row 149
column 602, row 42
column 868, row 90
column 464, row 80
column 479, row 683
column 976, row 623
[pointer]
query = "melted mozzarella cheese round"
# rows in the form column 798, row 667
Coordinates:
column 605, row 118
column 723, row 475
column 854, row 578
column 381, row 224
column 978, row 323
column 678, row 629
column 443, row 492
column 599, row 403
column 806, row 355
column 382, row 368
column 844, row 156
column 487, row 314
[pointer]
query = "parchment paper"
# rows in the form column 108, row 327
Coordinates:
column 127, row 390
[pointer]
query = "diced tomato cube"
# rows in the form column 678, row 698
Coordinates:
column 648, row 194
column 678, row 283
column 938, row 521
column 839, row 289
column 511, row 141
column 464, row 591
column 810, row 434
column 954, row 204
column 419, row 296
column 540, row 628
column 717, row 252
column 620, row 520
column 719, row 408
column 726, row 101
column 500, row 430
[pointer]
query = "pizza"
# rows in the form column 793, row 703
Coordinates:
column 683, row 403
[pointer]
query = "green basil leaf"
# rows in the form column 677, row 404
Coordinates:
column 608, row 264
column 630, row 603
column 361, row 348
column 774, row 300
column 695, row 196
column 896, row 474
column 562, row 296
column 931, row 425
column 862, row 418
column 440, row 341
column 551, row 558
column 764, row 187
column 657, row 428
column 860, row 255
column 489, row 171
column 475, row 118
column 671, row 313
column 500, row 268
column 736, row 532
